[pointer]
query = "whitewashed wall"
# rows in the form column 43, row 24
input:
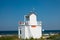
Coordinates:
column 33, row 19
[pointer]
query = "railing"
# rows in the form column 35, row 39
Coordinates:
column 27, row 23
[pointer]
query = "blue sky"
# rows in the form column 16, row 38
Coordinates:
column 12, row 11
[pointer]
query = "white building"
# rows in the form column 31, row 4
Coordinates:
column 30, row 27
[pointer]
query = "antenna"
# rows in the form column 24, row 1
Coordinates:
column 33, row 9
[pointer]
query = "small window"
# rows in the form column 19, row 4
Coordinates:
column 33, row 26
column 20, row 31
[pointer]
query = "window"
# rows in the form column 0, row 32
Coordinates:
column 20, row 31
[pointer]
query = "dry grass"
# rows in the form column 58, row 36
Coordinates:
column 15, row 37
column 9, row 38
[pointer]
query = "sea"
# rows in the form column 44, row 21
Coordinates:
column 16, row 32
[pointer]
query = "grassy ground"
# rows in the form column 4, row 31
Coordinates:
column 51, row 37
column 9, row 38
column 54, row 37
